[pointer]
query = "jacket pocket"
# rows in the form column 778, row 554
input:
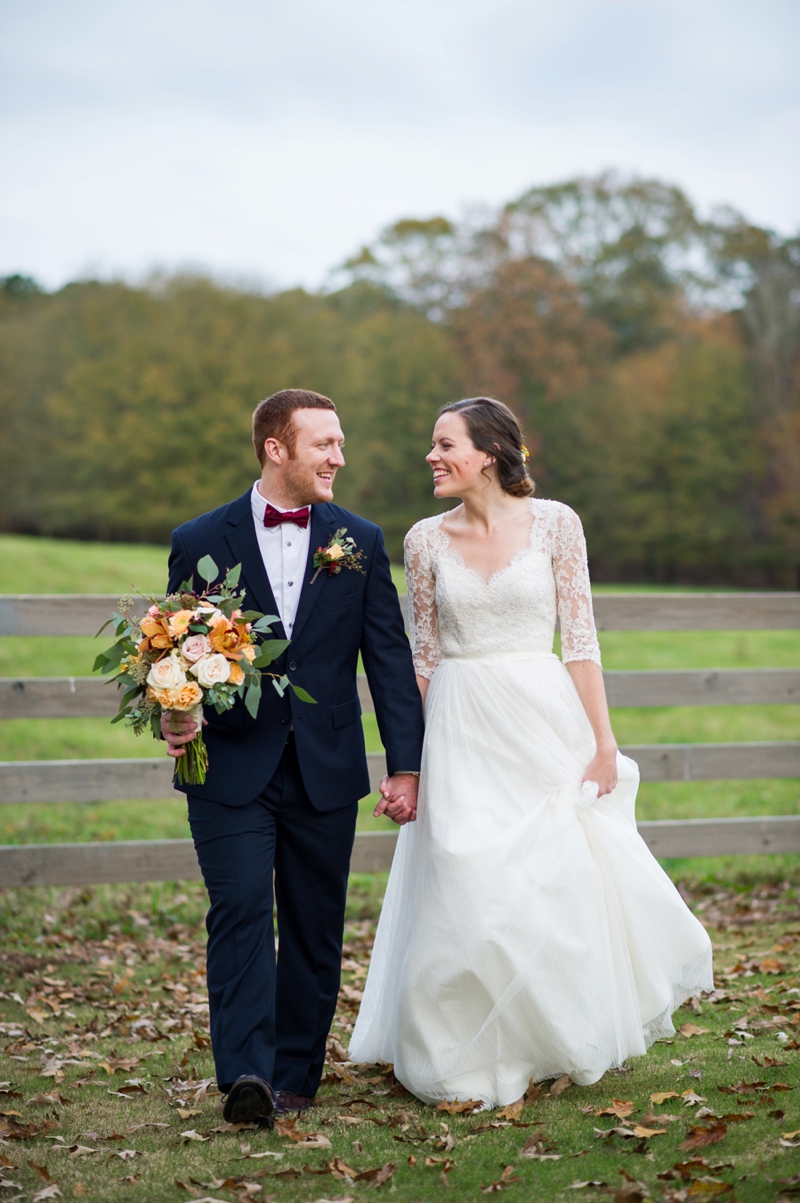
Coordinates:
column 341, row 602
column 348, row 712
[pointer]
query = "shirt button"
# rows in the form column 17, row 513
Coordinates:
column 290, row 583
column 289, row 544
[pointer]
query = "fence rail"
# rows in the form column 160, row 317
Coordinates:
column 151, row 778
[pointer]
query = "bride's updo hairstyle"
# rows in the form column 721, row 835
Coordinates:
column 493, row 428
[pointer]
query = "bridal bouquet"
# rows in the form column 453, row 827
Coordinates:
column 190, row 650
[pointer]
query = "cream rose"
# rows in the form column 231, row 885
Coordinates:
column 336, row 552
column 195, row 647
column 167, row 674
column 212, row 670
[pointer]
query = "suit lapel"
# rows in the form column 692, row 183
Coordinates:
column 241, row 538
column 323, row 526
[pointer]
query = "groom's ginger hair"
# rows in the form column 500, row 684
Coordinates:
column 273, row 418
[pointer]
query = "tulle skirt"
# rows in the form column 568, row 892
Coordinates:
column 527, row 930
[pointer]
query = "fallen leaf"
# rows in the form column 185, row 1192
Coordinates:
column 46, row 1100
column 47, row 1192
column 512, row 1110
column 785, row 1135
column 79, row 1190
column 560, row 1085
column 340, row 1169
column 458, row 1108
column 192, row 1135
column 124, row 1154
column 691, row 1099
column 621, row 1108
column 699, row 1137
column 506, row 1179
column 770, row 965
column 41, row 1171
column 533, row 1093
column 378, row 1176
column 583, row 1185
column 660, row 1096
column 188, row 1112
column 691, row 1029
column 646, row 1133
column 769, row 1063
column 37, row 1014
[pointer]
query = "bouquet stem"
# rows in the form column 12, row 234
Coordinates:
column 191, row 768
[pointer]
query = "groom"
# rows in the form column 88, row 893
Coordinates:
column 282, row 789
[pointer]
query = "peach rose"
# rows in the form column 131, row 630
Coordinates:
column 249, row 652
column 166, row 698
column 167, row 674
column 188, row 697
column 335, row 552
column 195, row 647
column 237, row 674
column 212, row 670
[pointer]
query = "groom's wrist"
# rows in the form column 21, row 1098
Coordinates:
column 405, row 773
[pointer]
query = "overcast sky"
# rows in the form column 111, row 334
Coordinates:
column 268, row 141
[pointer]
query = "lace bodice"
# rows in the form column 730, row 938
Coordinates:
column 454, row 612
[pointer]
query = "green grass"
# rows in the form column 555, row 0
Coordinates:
column 120, row 951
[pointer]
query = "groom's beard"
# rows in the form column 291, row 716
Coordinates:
column 303, row 484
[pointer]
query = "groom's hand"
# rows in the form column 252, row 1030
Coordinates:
column 398, row 798
column 178, row 729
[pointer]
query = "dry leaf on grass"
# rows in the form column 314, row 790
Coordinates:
column 533, row 1093
column 535, row 1149
column 621, row 1108
column 41, row 1171
column 691, row 1099
column 506, row 1179
column 80, row 1191
column 691, row 1029
column 188, row 1112
column 47, row 1192
column 560, row 1085
column 190, row 1135
column 512, row 1110
column 458, row 1108
column 583, row 1185
column 660, row 1096
column 700, row 1137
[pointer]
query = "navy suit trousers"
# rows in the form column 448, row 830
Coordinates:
column 271, row 1015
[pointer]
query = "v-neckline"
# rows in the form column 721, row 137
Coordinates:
column 488, row 581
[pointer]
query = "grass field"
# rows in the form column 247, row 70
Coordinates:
column 106, row 1078
column 108, row 1092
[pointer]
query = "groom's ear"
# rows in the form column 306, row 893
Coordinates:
column 276, row 451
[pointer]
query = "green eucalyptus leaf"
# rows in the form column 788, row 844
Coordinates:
column 265, row 622
column 103, row 627
column 99, row 662
column 270, row 651
column 207, row 569
column 251, row 615
column 302, row 695
column 279, row 686
column 232, row 576
column 252, row 698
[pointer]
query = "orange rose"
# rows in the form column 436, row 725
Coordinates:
column 167, row 698
column 237, row 674
column 249, row 652
column 188, row 696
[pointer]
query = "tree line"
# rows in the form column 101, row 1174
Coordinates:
column 652, row 356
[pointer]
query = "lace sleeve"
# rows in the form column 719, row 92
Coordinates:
column 423, row 616
column 571, row 571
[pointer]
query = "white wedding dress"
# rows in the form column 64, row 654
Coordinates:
column 527, row 930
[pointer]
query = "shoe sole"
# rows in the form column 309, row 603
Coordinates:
column 248, row 1106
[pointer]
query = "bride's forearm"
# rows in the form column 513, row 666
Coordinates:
column 588, row 679
column 423, row 684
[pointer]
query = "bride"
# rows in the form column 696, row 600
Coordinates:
column 527, row 930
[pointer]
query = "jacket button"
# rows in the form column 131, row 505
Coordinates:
column 292, row 666
column 284, row 720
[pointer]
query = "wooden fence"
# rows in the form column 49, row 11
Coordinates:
column 51, row 781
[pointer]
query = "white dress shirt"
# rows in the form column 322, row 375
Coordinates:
column 284, row 550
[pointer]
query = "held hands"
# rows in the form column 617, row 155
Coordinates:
column 398, row 798
column 603, row 771
column 178, row 729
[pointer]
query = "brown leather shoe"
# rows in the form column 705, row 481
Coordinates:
column 286, row 1101
column 250, row 1100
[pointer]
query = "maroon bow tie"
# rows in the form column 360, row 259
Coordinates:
column 273, row 517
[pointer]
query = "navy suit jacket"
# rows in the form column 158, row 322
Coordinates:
column 337, row 617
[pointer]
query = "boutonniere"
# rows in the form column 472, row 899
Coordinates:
column 340, row 553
